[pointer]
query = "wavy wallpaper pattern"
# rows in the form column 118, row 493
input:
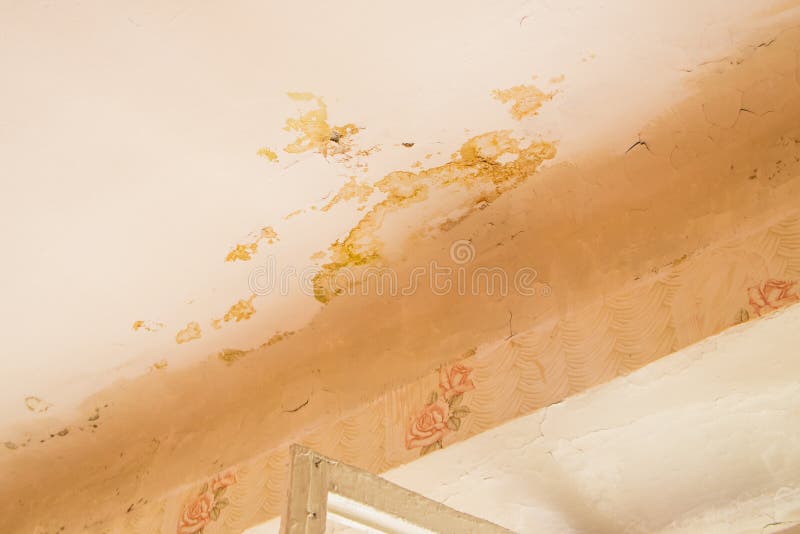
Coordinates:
column 562, row 356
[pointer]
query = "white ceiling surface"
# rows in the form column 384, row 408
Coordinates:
column 704, row 440
column 129, row 130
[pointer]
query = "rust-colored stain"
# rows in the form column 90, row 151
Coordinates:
column 314, row 133
column 268, row 154
column 147, row 326
column 245, row 251
column 350, row 190
column 526, row 99
column 191, row 332
column 495, row 160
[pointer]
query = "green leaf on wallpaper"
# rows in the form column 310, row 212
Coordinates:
column 222, row 503
column 203, row 489
column 461, row 411
column 433, row 397
column 743, row 316
column 220, row 491
column 427, row 448
column 454, row 423
column 455, row 401
column 215, row 513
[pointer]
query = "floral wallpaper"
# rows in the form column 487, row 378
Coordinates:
column 443, row 412
column 771, row 295
column 487, row 386
column 207, row 505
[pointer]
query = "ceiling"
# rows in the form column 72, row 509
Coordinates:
column 186, row 184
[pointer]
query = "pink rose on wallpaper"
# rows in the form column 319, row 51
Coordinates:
column 442, row 414
column 771, row 295
column 455, row 381
column 429, row 427
column 223, row 481
column 207, row 506
column 197, row 514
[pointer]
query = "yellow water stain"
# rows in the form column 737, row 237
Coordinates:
column 320, row 254
column 277, row 338
column 159, row 365
column 147, row 326
column 245, row 251
column 495, row 160
column 267, row 153
column 241, row 311
column 191, row 332
column 350, row 190
column 526, row 99
column 292, row 214
column 230, row 356
column 314, row 133
column 557, row 79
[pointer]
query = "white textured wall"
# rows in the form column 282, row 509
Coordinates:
column 705, row 440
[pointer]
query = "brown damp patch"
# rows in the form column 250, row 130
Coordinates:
column 36, row 405
column 147, row 326
column 490, row 164
column 526, row 100
column 229, row 356
column 245, row 251
column 588, row 227
column 314, row 133
column 351, row 189
column 267, row 153
column 190, row 333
